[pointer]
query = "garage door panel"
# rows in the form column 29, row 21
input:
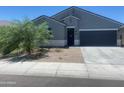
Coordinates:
column 98, row 38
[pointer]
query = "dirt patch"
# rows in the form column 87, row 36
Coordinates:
column 63, row 55
column 67, row 55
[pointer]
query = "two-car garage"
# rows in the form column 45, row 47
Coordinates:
column 98, row 37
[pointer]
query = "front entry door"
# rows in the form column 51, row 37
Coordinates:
column 70, row 36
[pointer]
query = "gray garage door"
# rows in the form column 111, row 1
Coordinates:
column 98, row 38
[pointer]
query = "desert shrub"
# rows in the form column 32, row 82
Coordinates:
column 24, row 35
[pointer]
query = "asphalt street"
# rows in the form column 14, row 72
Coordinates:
column 35, row 81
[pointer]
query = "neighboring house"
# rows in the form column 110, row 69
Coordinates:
column 121, row 34
column 78, row 27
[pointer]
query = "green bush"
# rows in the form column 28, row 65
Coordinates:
column 23, row 35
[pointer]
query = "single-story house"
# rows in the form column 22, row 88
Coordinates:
column 78, row 27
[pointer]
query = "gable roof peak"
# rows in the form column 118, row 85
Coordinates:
column 73, row 7
column 67, row 9
column 47, row 17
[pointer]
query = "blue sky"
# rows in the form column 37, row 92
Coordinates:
column 19, row 12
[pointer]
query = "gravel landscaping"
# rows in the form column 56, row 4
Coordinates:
column 64, row 55
column 68, row 55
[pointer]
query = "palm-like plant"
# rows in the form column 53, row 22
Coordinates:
column 23, row 34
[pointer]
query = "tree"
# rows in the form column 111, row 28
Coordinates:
column 23, row 35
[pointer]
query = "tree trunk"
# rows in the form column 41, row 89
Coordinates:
column 28, row 51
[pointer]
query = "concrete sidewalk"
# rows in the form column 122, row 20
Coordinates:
column 75, row 70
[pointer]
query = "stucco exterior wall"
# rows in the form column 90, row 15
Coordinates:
column 58, row 31
column 72, row 22
column 92, row 21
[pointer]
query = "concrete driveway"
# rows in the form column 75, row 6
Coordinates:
column 104, row 62
column 103, row 55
